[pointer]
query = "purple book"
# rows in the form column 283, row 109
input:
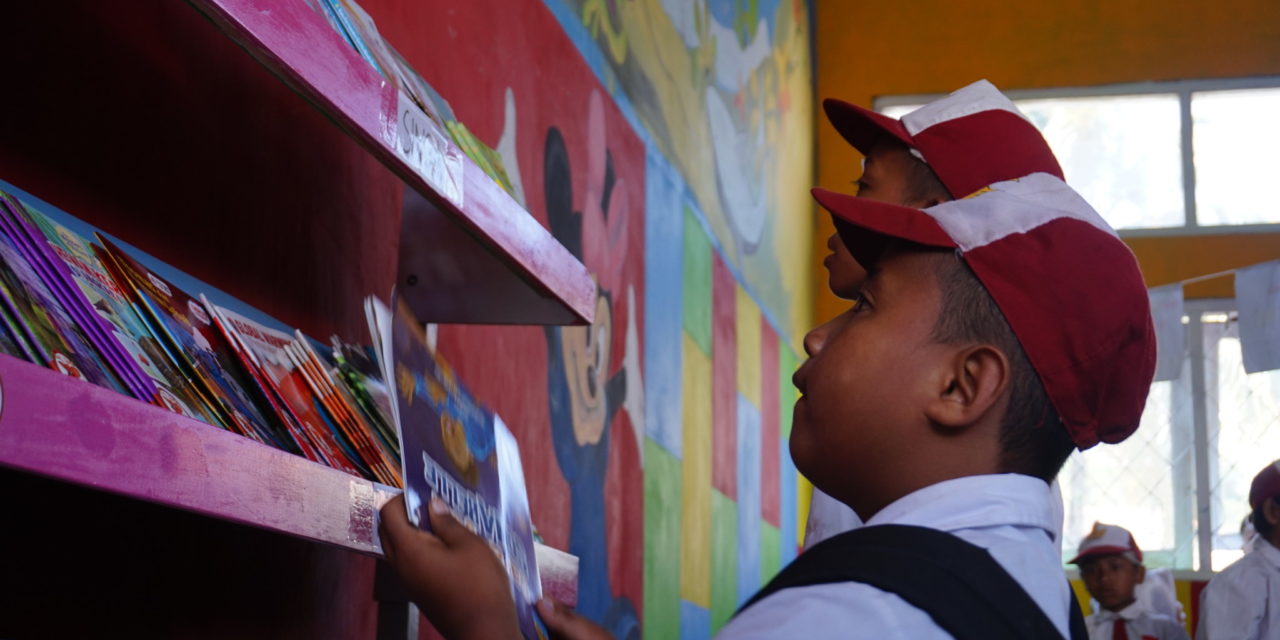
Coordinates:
column 457, row 450
column 62, row 344
column 15, row 222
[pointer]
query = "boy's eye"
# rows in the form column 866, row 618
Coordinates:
column 859, row 302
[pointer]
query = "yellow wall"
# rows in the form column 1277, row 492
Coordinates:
column 867, row 49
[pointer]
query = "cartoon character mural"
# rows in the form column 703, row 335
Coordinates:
column 586, row 101
column 585, row 393
column 723, row 87
column 573, row 396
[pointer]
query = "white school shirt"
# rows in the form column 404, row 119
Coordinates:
column 1009, row 515
column 829, row 517
column 1243, row 601
column 1139, row 624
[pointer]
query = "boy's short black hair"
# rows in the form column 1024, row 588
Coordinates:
column 1033, row 440
column 1260, row 523
column 923, row 185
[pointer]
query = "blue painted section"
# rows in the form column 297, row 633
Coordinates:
column 185, row 282
column 787, row 532
column 663, row 276
column 726, row 11
column 749, row 505
column 695, row 622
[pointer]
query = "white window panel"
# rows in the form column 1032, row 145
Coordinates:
column 1235, row 135
column 1122, row 153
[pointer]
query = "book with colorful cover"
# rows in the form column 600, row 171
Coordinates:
column 298, row 441
column 457, row 450
column 266, row 347
column 51, row 332
column 168, row 388
column 30, row 243
column 354, row 431
column 186, row 329
column 362, row 383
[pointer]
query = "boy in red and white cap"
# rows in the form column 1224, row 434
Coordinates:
column 1111, row 566
column 1243, row 601
column 944, row 150
column 993, row 335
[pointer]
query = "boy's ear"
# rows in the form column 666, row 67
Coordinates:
column 1142, row 574
column 970, row 384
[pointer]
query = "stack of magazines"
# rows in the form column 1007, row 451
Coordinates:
column 86, row 308
column 359, row 31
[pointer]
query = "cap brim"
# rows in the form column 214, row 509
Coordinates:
column 1106, row 551
column 867, row 226
column 862, row 127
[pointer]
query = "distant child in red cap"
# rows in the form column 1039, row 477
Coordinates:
column 944, row 150
column 1243, row 601
column 1111, row 566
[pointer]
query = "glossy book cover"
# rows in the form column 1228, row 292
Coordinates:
column 454, row 448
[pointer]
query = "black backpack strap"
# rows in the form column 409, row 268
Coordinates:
column 1075, row 617
column 958, row 584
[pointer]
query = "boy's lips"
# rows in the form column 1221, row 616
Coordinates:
column 798, row 378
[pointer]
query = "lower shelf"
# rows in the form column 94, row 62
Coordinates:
column 71, row 430
column 55, row 426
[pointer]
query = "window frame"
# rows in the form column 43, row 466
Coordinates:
column 1184, row 90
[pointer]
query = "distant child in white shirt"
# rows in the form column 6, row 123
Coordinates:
column 1243, row 601
column 1111, row 566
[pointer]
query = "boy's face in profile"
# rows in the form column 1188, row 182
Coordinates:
column 868, row 376
column 884, row 179
column 1111, row 580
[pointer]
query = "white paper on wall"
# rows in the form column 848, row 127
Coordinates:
column 1171, row 344
column 1258, row 299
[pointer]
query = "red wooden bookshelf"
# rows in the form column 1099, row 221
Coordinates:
column 71, row 430
column 243, row 142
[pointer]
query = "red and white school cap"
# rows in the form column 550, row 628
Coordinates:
column 1265, row 485
column 1069, row 288
column 1108, row 540
column 971, row 138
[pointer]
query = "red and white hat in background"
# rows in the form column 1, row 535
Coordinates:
column 1069, row 288
column 971, row 138
column 1108, row 540
column 1265, row 485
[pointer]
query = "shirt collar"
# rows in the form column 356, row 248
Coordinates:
column 1131, row 612
column 1269, row 552
column 975, row 502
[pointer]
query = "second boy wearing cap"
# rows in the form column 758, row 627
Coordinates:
column 944, row 150
column 1111, row 567
column 1242, row 602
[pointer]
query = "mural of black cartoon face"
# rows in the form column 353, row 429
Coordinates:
column 584, row 397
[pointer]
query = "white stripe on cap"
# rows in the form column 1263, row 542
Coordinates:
column 977, row 97
column 1013, row 206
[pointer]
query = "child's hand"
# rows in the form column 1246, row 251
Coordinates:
column 564, row 624
column 453, row 576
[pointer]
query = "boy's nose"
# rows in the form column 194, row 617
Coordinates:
column 816, row 339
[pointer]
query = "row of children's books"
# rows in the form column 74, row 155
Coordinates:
column 87, row 308
column 361, row 33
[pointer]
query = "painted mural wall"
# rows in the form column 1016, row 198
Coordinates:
column 667, row 144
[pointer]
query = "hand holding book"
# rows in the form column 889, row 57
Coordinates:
column 450, row 572
column 459, row 584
